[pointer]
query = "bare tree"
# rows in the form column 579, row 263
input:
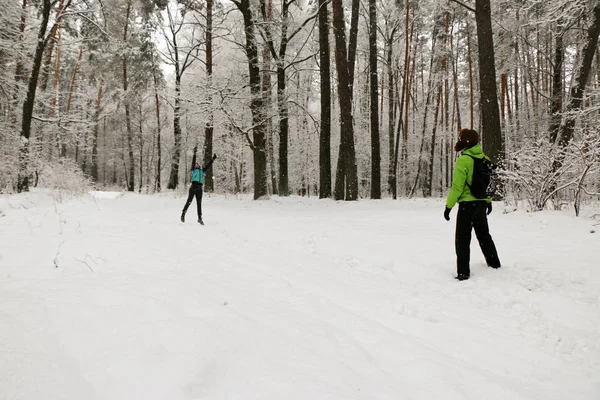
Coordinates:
column 23, row 179
column 209, row 128
column 181, row 56
column 258, row 144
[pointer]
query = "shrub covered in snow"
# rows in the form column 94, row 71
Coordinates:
column 535, row 175
column 66, row 177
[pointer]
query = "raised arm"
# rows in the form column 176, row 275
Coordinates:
column 194, row 158
column 207, row 166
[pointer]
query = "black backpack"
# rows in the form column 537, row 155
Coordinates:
column 484, row 178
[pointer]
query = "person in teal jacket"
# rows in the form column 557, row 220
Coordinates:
column 196, row 188
column 472, row 211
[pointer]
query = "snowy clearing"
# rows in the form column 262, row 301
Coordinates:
column 111, row 297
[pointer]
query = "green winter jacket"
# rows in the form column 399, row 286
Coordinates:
column 463, row 174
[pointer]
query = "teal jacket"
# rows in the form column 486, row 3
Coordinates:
column 198, row 173
column 463, row 175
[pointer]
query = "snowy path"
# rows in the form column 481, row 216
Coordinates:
column 291, row 299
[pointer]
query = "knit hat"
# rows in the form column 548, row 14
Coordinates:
column 466, row 138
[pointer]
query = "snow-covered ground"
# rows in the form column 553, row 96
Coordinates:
column 111, row 297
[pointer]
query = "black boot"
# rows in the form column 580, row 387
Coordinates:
column 200, row 221
column 182, row 217
column 462, row 277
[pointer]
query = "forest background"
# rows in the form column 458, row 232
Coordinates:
column 354, row 99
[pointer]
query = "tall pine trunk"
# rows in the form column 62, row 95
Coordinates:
column 282, row 106
column 209, row 128
column 158, row 128
column 490, row 115
column 391, row 114
column 95, row 134
column 325, row 128
column 374, row 95
column 131, row 173
column 346, row 184
column 557, row 88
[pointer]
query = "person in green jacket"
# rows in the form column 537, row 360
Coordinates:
column 472, row 211
column 196, row 188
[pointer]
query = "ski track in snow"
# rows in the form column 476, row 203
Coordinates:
column 110, row 296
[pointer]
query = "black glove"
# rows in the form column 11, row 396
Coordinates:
column 214, row 156
column 195, row 149
column 447, row 213
column 488, row 207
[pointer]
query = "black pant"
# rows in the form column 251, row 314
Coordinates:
column 471, row 214
column 195, row 190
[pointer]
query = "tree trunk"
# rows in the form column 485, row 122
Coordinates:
column 325, row 128
column 176, row 155
column 375, row 144
column 557, row 88
column 158, row 128
column 256, row 103
column 60, row 139
column 423, row 163
column 95, row 138
column 567, row 128
column 428, row 187
column 391, row 114
column 48, row 59
column 471, row 80
column 282, row 106
column 19, row 68
column 23, row 177
column 491, row 131
column 141, row 140
column 63, row 149
column 74, row 80
column 131, row 177
column 346, row 185
column 209, row 128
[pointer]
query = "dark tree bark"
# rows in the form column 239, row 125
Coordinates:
column 375, row 144
column 391, row 113
column 346, row 184
column 158, row 127
column 258, row 144
column 23, row 178
column 565, row 133
column 282, row 106
column 95, row 135
column 404, row 103
column 557, row 88
column 174, row 175
column 325, row 128
column 490, row 113
column 428, row 185
column 131, row 174
column 141, row 141
column 391, row 116
column 209, row 128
